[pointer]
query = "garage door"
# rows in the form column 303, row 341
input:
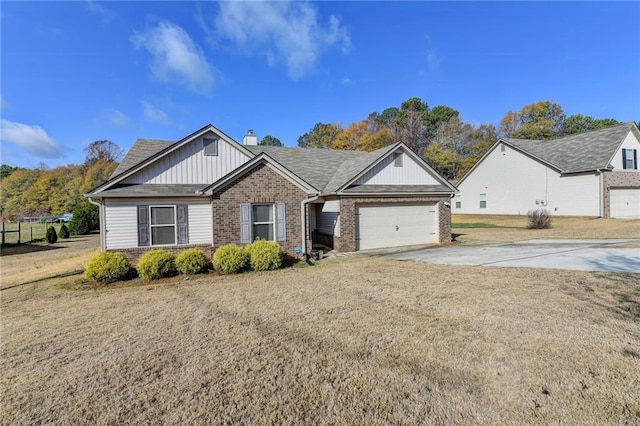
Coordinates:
column 625, row 203
column 379, row 226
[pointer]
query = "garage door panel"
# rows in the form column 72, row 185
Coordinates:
column 624, row 203
column 382, row 226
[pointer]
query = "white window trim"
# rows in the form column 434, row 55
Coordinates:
column 457, row 201
column 629, row 159
column 483, row 200
column 212, row 141
column 272, row 222
column 175, row 226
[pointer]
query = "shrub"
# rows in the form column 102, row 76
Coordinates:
column 538, row 219
column 86, row 218
column 64, row 231
column 230, row 259
column 191, row 261
column 156, row 264
column 264, row 255
column 108, row 267
column 51, row 235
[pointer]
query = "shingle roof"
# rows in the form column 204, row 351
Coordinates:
column 150, row 190
column 325, row 169
column 575, row 153
column 140, row 151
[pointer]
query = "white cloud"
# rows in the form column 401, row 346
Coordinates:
column 345, row 80
column 154, row 114
column 105, row 14
column 175, row 56
column 118, row 118
column 284, row 32
column 432, row 59
column 32, row 139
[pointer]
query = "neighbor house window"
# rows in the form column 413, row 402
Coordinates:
column 629, row 159
column 163, row 225
column 264, row 221
column 397, row 159
column 483, row 201
column 210, row 146
column 458, row 201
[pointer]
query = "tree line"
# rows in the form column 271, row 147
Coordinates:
column 441, row 137
column 44, row 191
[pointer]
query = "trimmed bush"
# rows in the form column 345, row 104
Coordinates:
column 264, row 255
column 51, row 235
column 107, row 267
column 86, row 218
column 156, row 264
column 191, row 261
column 64, row 231
column 230, row 259
column 538, row 219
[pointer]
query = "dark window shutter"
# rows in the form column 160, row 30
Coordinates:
column 143, row 226
column 245, row 223
column 624, row 158
column 281, row 223
column 635, row 158
column 183, row 223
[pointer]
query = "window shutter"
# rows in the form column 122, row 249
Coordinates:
column 635, row 158
column 245, row 223
column 624, row 158
column 143, row 226
column 183, row 223
column 281, row 223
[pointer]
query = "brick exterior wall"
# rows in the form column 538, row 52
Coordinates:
column 617, row 180
column 133, row 254
column 346, row 242
column 260, row 184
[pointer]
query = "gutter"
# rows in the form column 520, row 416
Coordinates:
column 303, row 221
column 103, row 230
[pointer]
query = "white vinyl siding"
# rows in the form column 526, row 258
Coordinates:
column 121, row 219
column 625, row 203
column 513, row 182
column 190, row 165
column 394, row 225
column 387, row 173
column 630, row 143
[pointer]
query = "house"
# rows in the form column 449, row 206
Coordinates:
column 588, row 174
column 207, row 190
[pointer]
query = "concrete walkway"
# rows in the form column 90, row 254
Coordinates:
column 582, row 255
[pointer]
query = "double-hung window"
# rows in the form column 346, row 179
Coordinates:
column 483, row 201
column 629, row 159
column 163, row 225
column 458, row 201
column 263, row 221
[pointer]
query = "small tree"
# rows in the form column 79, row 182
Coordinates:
column 86, row 218
column 64, row 231
column 538, row 219
column 51, row 235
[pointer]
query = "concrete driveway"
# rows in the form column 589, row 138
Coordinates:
column 582, row 255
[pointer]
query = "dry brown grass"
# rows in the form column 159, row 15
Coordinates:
column 350, row 341
column 514, row 228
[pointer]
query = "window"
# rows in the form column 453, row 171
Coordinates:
column 163, row 225
column 263, row 221
column 483, row 201
column 629, row 159
column 397, row 159
column 210, row 146
column 458, row 201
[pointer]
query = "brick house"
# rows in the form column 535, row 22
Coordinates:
column 207, row 190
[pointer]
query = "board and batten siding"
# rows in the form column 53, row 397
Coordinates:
column 630, row 142
column 513, row 182
column 121, row 221
column 386, row 173
column 189, row 165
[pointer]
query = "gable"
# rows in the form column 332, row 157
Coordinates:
column 192, row 163
column 397, row 169
column 630, row 142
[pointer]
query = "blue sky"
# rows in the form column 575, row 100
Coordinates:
column 75, row 72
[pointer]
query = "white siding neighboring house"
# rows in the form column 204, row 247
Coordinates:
column 590, row 174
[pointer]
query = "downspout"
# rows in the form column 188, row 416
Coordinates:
column 303, row 221
column 601, row 195
column 103, row 232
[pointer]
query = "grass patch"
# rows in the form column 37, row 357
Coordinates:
column 349, row 341
column 472, row 225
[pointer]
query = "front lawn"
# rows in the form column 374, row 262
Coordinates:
column 349, row 341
